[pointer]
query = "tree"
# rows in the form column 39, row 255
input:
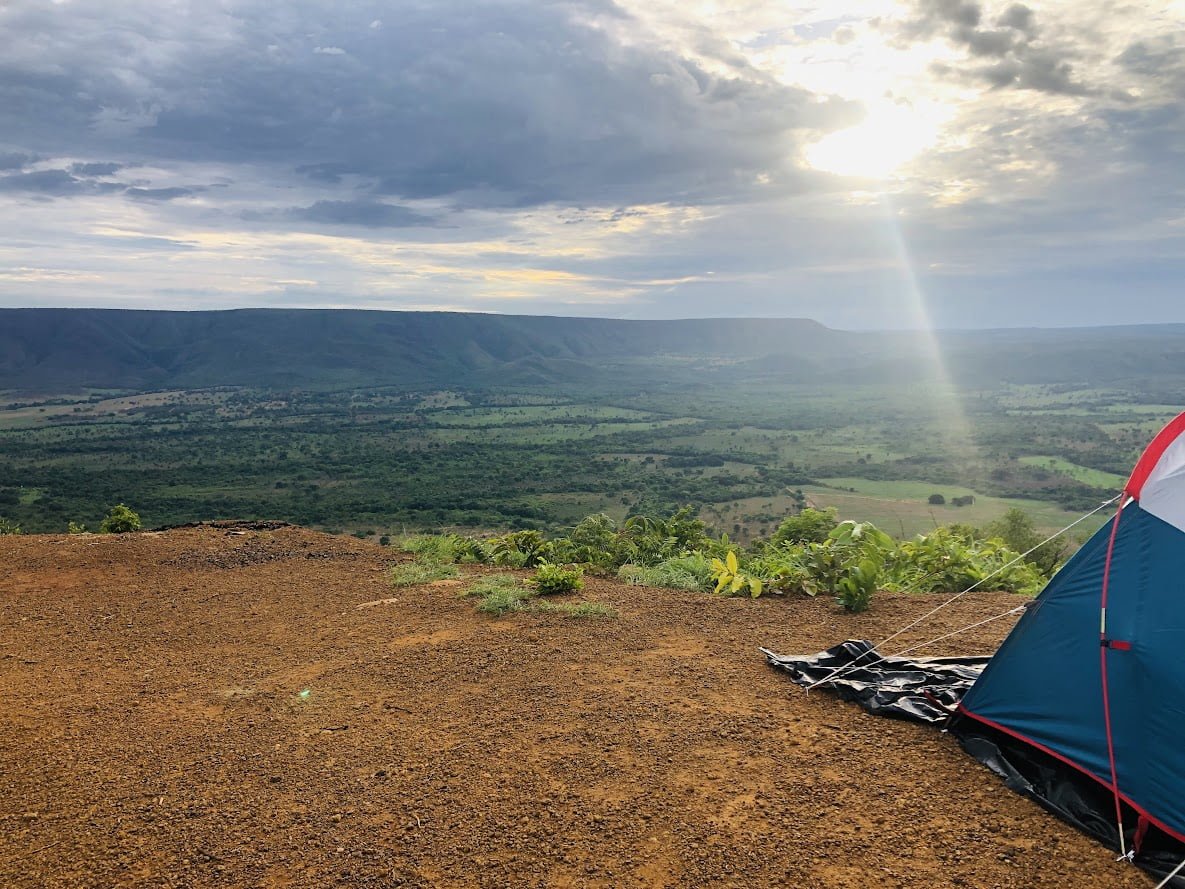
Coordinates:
column 1016, row 529
column 937, row 500
column 120, row 519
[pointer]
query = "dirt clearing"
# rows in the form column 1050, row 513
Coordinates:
column 210, row 707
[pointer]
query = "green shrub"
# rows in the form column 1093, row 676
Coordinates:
column 946, row 561
column 419, row 571
column 120, row 519
column 859, row 582
column 9, row 527
column 75, row 528
column 551, row 579
column 594, row 541
column 648, row 540
column 519, row 549
column 809, row 526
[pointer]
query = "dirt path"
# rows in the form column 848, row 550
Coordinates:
column 209, row 708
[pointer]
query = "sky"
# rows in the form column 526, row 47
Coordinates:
column 870, row 164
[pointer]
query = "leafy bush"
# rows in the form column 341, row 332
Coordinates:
column 419, row 571
column 551, row 579
column 594, row 541
column 809, row 526
column 648, row 540
column 946, row 561
column 9, row 527
column 120, row 519
column 75, row 528
column 519, row 549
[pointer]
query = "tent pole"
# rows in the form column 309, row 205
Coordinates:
column 1103, row 673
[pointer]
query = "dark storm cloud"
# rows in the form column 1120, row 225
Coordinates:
column 369, row 214
column 1019, row 60
column 499, row 103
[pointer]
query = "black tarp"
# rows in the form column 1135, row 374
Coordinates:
column 927, row 690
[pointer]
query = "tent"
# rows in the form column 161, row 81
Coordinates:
column 1083, row 705
column 1093, row 673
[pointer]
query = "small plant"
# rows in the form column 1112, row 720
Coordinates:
column 581, row 609
column 8, row 526
column 856, row 587
column 551, row 579
column 75, row 528
column 730, row 580
column 419, row 571
column 120, row 519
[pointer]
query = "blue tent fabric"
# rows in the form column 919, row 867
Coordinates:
column 1044, row 685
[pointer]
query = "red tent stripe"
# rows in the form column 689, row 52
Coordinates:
column 1152, row 454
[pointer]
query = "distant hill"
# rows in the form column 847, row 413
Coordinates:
column 67, row 350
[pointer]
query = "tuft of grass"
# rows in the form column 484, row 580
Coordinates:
column 419, row 571
column 504, row 599
column 581, row 609
column 689, row 572
column 491, row 583
column 501, row 594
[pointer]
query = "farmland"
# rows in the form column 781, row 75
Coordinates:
column 381, row 460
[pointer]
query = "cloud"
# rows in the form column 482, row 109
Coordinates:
column 626, row 157
column 95, row 169
column 1012, row 40
column 15, row 160
column 160, row 194
column 53, row 183
column 369, row 214
column 509, row 104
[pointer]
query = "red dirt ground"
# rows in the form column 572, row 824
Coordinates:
column 154, row 732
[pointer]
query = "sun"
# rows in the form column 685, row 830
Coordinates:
column 890, row 136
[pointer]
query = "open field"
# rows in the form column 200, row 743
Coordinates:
column 256, row 707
